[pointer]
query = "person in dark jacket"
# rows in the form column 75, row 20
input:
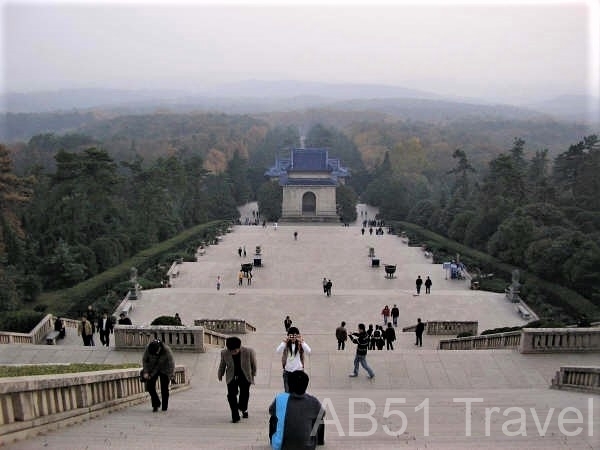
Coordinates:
column 158, row 363
column 59, row 326
column 124, row 320
column 395, row 315
column 105, row 328
column 419, row 332
column 390, row 336
column 370, row 331
column 341, row 335
column 238, row 364
column 303, row 419
column 428, row 284
column 378, row 337
column 361, row 339
column 419, row 283
column 287, row 323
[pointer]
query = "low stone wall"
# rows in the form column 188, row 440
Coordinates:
column 446, row 327
column 585, row 379
column 30, row 405
column 192, row 339
column 552, row 340
column 38, row 334
column 498, row 340
column 227, row 326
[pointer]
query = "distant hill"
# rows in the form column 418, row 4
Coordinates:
column 289, row 103
column 67, row 100
column 247, row 94
column 290, row 89
column 571, row 107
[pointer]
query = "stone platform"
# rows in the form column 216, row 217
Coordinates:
column 290, row 283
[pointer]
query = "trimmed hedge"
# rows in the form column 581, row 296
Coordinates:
column 534, row 324
column 50, row 369
column 556, row 299
column 20, row 321
column 166, row 320
column 72, row 301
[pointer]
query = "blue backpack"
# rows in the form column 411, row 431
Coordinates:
column 281, row 401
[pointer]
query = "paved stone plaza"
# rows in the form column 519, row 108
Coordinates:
column 289, row 283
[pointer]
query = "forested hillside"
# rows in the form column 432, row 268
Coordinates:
column 524, row 190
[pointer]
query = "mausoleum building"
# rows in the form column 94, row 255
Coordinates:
column 309, row 178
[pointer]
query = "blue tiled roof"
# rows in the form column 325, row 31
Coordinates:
column 307, row 160
column 310, row 182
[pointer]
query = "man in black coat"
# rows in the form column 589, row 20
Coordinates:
column 419, row 332
column 419, row 283
column 158, row 363
column 238, row 365
column 105, row 328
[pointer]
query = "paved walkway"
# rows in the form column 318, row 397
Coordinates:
column 289, row 283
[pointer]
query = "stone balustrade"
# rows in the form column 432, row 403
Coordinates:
column 552, row 340
column 510, row 339
column 38, row 334
column 585, row 379
column 227, row 326
column 181, row 338
column 32, row 404
column 446, row 327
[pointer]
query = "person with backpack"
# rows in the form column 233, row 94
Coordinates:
column 296, row 418
column 292, row 349
column 378, row 337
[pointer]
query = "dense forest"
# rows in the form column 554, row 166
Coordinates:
column 77, row 203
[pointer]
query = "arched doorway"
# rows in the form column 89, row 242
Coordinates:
column 309, row 204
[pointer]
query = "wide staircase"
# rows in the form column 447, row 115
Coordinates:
column 421, row 397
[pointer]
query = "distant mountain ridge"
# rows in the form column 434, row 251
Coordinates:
column 261, row 95
column 255, row 97
column 291, row 88
column 252, row 92
column 573, row 107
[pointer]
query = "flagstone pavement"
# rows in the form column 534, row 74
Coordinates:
column 421, row 397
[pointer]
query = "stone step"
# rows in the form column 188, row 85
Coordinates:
column 289, row 284
column 200, row 418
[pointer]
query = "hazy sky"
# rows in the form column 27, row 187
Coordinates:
column 489, row 49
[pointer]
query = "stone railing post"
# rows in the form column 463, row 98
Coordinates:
column 498, row 340
column 33, row 404
column 552, row 340
column 586, row 379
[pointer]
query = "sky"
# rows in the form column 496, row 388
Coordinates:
column 516, row 51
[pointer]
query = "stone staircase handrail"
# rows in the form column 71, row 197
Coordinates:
column 42, row 402
column 586, row 379
column 531, row 340
column 180, row 338
column 507, row 340
column 38, row 334
column 552, row 340
column 440, row 327
column 227, row 326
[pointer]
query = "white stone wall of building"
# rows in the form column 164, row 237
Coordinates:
column 292, row 201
